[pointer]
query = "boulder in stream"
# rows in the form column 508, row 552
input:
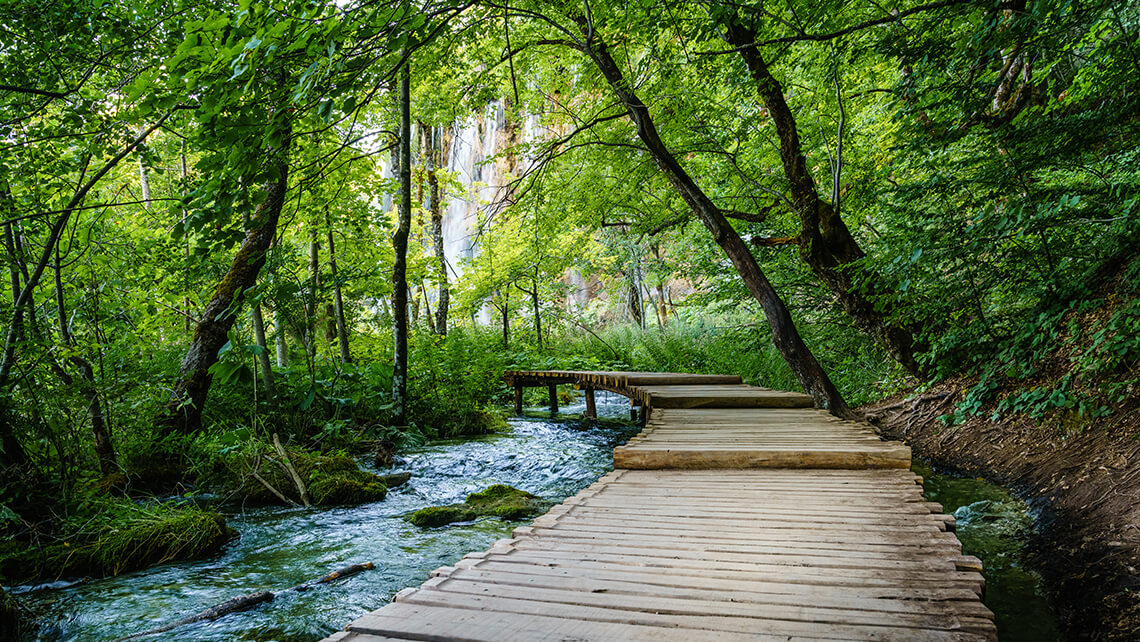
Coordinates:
column 500, row 500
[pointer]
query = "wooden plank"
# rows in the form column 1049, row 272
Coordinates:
column 731, row 603
column 448, row 623
column 745, row 574
column 818, row 538
column 755, row 626
column 643, row 458
column 649, row 581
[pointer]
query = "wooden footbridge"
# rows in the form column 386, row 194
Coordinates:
column 738, row 513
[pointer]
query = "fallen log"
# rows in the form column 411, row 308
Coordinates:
column 237, row 604
column 345, row 571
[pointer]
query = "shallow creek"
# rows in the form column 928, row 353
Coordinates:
column 551, row 457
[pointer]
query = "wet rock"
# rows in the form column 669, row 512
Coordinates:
column 396, row 479
column 500, row 500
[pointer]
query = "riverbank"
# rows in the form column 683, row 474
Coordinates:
column 1082, row 486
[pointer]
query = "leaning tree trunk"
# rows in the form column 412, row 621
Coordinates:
column 400, row 265
column 803, row 363
column 183, row 412
column 826, row 244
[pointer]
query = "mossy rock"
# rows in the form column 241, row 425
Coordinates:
column 335, row 490
column 500, row 501
column 442, row 515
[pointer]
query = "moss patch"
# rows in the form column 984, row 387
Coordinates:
column 121, row 537
column 500, row 501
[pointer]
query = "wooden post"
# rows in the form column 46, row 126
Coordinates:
column 633, row 409
column 591, row 408
column 518, row 399
column 552, row 390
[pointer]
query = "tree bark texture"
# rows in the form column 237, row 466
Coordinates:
column 183, row 412
column 400, row 265
column 786, row 337
column 825, row 242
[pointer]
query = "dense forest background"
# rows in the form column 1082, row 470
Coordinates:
column 226, row 228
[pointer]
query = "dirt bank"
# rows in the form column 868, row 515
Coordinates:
column 1084, row 486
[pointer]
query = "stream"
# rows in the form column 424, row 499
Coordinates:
column 550, row 457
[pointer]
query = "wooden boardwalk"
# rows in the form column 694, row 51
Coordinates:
column 738, row 513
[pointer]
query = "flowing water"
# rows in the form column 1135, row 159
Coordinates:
column 554, row 458
column 994, row 525
column 280, row 548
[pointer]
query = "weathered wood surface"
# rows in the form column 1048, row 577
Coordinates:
column 720, row 523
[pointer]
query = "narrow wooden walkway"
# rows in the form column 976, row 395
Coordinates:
column 738, row 513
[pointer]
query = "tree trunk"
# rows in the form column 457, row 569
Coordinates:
column 436, row 160
column 826, row 244
column 400, row 265
column 144, row 180
column 263, row 355
column 537, row 312
column 183, row 411
column 280, row 339
column 185, row 244
column 314, row 290
column 100, row 431
column 338, row 300
column 11, row 450
column 811, row 376
column 505, row 309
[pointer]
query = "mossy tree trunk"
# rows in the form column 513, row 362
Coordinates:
column 400, row 264
column 183, row 411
